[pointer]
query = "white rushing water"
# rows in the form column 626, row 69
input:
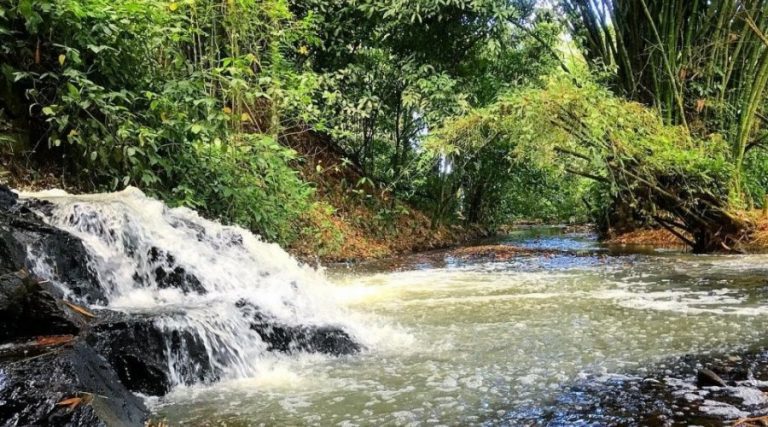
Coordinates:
column 130, row 237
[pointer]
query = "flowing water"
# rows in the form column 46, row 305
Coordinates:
column 447, row 342
column 494, row 343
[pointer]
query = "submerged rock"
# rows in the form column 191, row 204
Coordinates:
column 302, row 338
column 671, row 395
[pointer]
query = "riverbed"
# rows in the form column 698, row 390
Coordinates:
column 451, row 341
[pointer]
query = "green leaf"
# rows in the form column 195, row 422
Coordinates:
column 72, row 90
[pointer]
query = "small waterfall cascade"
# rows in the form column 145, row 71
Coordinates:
column 202, row 284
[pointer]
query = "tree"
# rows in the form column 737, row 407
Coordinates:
column 396, row 70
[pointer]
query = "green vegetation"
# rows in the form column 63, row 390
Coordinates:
column 475, row 112
column 702, row 64
column 635, row 164
column 183, row 99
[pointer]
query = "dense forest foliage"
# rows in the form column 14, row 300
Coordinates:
column 476, row 112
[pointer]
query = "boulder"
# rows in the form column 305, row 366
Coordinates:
column 67, row 386
column 142, row 353
column 29, row 308
column 22, row 231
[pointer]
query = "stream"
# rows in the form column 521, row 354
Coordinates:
column 211, row 326
column 454, row 342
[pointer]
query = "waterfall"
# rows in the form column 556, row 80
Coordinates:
column 202, row 283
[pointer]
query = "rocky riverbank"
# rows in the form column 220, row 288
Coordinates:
column 703, row 390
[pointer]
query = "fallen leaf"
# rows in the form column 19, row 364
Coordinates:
column 50, row 340
column 74, row 402
column 79, row 309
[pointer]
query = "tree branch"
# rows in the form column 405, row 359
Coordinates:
column 677, row 234
column 588, row 175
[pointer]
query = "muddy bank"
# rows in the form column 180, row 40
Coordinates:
column 655, row 237
column 755, row 242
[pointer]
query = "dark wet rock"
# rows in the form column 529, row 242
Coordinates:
column 291, row 339
column 178, row 278
column 29, row 308
column 668, row 396
column 7, row 197
column 135, row 350
column 12, row 254
column 31, row 388
column 66, row 256
column 42, row 363
column 170, row 275
column 42, row 207
column 20, row 228
column 706, row 378
column 142, row 353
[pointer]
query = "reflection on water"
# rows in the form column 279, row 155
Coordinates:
column 491, row 342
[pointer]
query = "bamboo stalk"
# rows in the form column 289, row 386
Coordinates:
column 668, row 66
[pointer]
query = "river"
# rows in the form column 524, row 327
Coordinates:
column 456, row 342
